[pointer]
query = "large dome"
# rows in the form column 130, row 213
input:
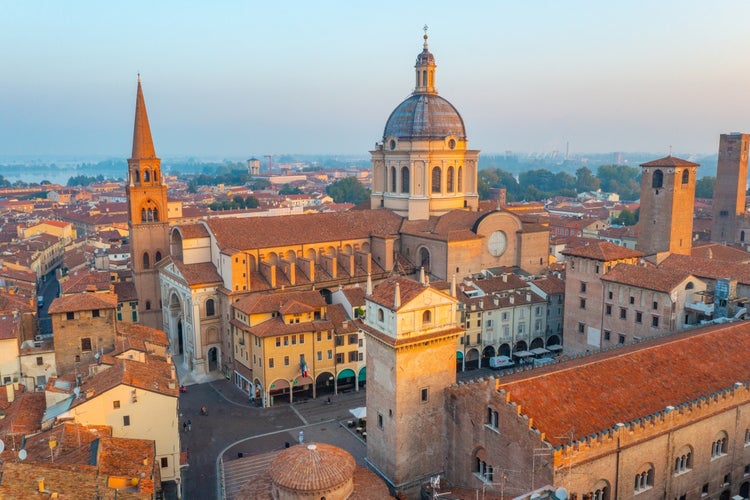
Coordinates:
column 424, row 116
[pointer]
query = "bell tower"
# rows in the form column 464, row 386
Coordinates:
column 147, row 216
column 667, row 200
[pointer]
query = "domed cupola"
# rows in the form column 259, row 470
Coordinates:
column 423, row 167
column 424, row 114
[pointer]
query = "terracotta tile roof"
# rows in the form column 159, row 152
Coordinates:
column 355, row 295
column 153, row 375
column 85, row 280
column 136, row 335
column 295, row 307
column 83, row 302
column 500, row 283
column 190, row 231
column 312, row 467
column 202, row 273
column 608, row 387
column 670, row 161
column 72, row 440
column 125, row 291
column 23, row 415
column 550, row 284
column 276, row 326
column 9, row 327
column 385, row 293
column 601, row 250
column 260, row 303
column 708, row 269
column 657, row 279
column 720, row 252
column 341, row 322
column 283, row 230
column 13, row 302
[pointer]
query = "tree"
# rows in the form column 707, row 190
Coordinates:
column 289, row 189
column 704, row 187
column 251, row 202
column 627, row 218
column 495, row 178
column 348, row 190
column 620, row 179
column 585, row 180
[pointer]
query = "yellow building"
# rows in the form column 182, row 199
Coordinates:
column 293, row 345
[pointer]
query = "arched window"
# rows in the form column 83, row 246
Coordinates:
column 156, row 215
column 148, row 305
column 404, row 179
column 644, row 479
column 210, row 311
column 449, row 180
column 146, row 176
column 481, row 469
column 657, row 180
column 380, row 315
column 393, row 179
column 719, row 446
column 460, row 179
column 426, row 317
column 685, row 176
column 146, row 261
column 742, row 235
column 424, row 78
column 143, row 215
column 683, row 461
column 436, row 188
column 157, row 257
column 689, row 286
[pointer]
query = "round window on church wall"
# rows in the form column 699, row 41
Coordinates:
column 393, row 144
column 497, row 243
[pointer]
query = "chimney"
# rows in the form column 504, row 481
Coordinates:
column 40, row 483
column 528, row 297
column 512, row 298
column 453, row 286
column 421, row 275
column 368, row 287
column 397, row 297
column 505, row 278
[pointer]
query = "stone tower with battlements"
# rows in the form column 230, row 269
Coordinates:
column 411, row 334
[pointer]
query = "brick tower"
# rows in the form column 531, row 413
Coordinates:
column 729, row 191
column 667, row 200
column 411, row 358
column 147, row 217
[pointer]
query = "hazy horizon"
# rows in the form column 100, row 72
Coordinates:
column 238, row 78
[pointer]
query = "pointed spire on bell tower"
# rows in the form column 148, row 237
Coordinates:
column 143, row 145
column 425, row 70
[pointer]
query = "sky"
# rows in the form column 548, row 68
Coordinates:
column 235, row 79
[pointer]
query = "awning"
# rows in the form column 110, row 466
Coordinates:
column 346, row 373
column 539, row 351
column 522, row 354
column 360, row 412
column 363, row 374
column 459, row 355
column 555, row 347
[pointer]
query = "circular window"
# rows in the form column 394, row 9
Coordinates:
column 392, row 144
column 452, row 144
column 497, row 243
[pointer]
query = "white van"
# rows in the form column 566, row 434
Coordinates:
column 498, row 362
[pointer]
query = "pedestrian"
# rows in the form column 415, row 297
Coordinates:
column 184, row 427
column 189, row 425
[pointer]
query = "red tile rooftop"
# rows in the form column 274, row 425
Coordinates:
column 608, row 387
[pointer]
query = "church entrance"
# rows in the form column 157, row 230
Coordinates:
column 213, row 362
column 180, row 341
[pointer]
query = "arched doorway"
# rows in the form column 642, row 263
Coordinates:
column 424, row 259
column 324, row 384
column 472, row 359
column 180, row 339
column 345, row 380
column 279, row 390
column 745, row 489
column 213, row 359
column 488, row 352
column 362, row 378
column 504, row 350
column 537, row 343
column 553, row 340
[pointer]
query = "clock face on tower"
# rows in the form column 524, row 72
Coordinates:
column 497, row 243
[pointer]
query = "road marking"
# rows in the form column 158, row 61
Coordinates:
column 299, row 415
